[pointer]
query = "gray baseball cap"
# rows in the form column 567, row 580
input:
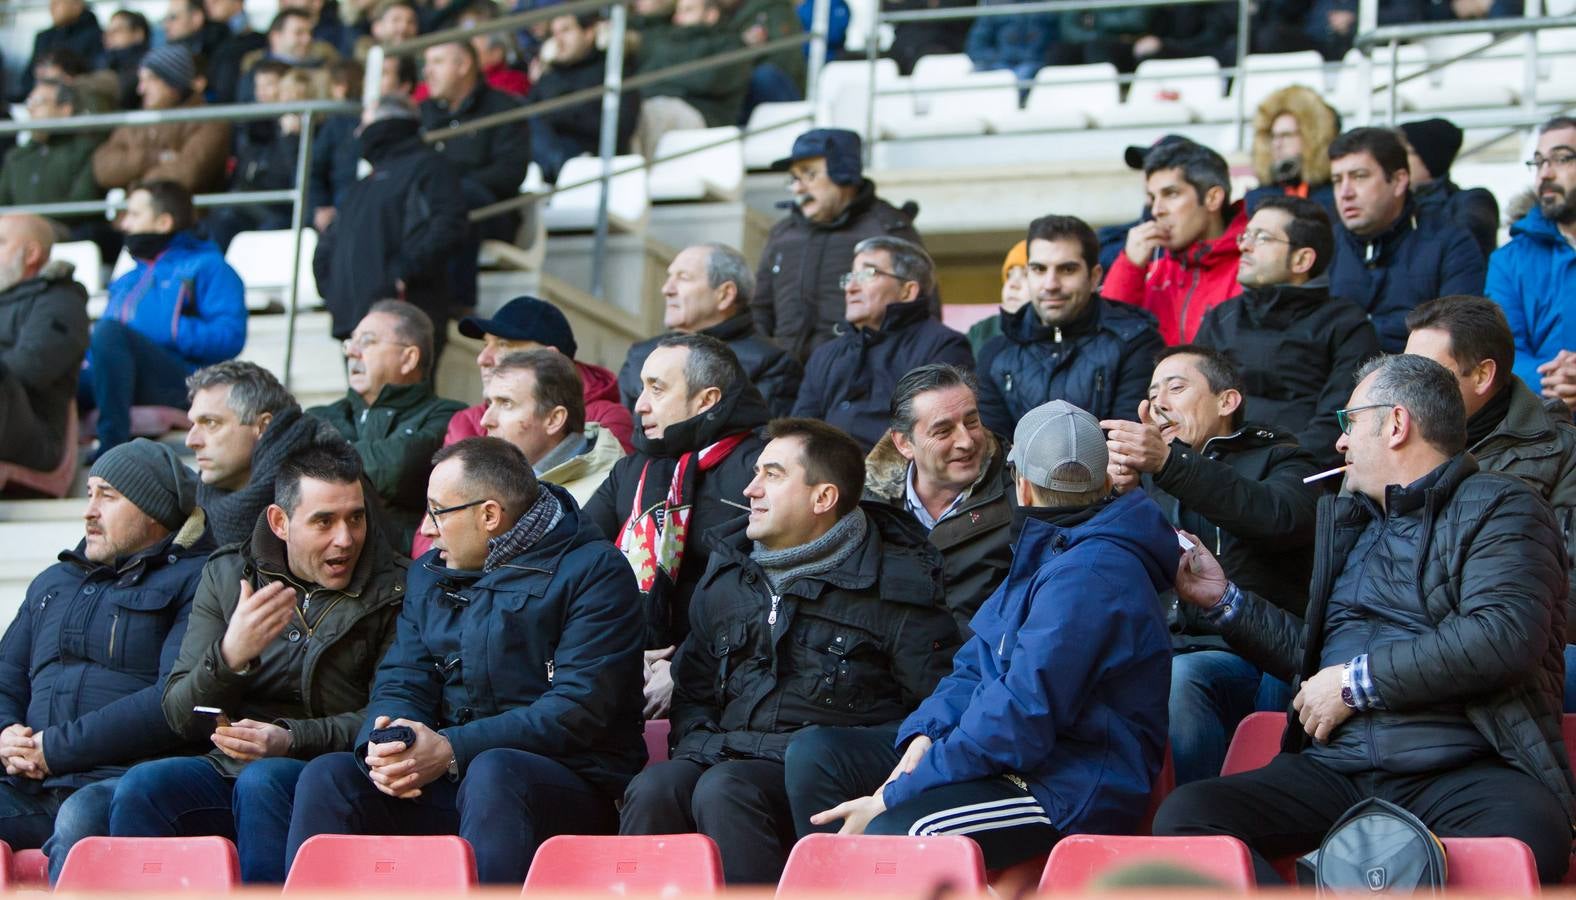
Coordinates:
column 1060, row 447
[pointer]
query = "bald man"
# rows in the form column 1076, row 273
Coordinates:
column 43, row 336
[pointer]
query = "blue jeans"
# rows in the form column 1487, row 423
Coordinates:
column 507, row 804
column 54, row 819
column 1211, row 691
column 187, row 797
column 127, row 368
column 1570, row 678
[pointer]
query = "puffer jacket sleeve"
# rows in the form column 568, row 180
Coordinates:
column 695, row 713
column 1275, row 513
column 1462, row 266
column 1513, row 583
column 922, row 650
column 812, row 400
column 1268, row 636
column 16, row 662
column 215, row 329
column 596, row 669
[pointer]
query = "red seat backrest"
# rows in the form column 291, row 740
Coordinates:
column 625, row 865
column 1490, row 865
column 166, row 864
column 882, row 863
column 1080, row 858
column 1256, row 742
column 329, row 862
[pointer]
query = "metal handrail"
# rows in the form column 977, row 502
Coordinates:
column 1021, row 9
column 1385, row 34
column 92, row 207
column 228, row 112
column 510, row 22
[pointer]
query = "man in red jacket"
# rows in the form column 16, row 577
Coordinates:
column 1184, row 262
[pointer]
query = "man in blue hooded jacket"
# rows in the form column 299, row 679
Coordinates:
column 180, row 309
column 1053, row 720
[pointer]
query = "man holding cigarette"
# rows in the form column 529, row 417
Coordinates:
column 1239, row 487
column 1429, row 664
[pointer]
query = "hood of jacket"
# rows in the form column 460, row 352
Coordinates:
column 740, row 409
column 597, row 383
column 1132, row 520
column 1315, row 119
column 1538, row 227
column 602, row 451
column 1278, row 305
column 886, row 470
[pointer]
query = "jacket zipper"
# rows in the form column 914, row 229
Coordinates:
column 771, row 617
column 549, row 672
column 114, row 623
column 1187, row 300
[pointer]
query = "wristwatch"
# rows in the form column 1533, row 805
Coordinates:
column 1348, row 695
column 454, row 769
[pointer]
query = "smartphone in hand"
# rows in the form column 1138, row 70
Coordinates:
column 220, row 720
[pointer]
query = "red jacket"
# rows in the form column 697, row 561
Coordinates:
column 1181, row 287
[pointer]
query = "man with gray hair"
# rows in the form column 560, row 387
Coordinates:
column 391, row 414
column 888, row 331
column 396, row 229
column 1430, row 661
column 708, row 291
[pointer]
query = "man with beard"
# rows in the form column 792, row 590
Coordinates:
column 43, row 336
column 1534, row 276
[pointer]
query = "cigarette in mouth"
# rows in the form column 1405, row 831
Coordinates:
column 1323, row 475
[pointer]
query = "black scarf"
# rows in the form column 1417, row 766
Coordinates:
column 1482, row 423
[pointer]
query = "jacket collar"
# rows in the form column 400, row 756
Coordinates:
column 469, row 102
column 1025, row 327
column 740, row 409
column 1430, row 492
column 542, row 558
column 1526, row 420
column 1279, row 303
column 733, row 328
column 864, row 198
column 897, row 317
column 269, row 553
column 1208, row 254
column 400, row 397
column 1373, row 251
column 191, row 538
column 1538, row 227
column 1246, row 437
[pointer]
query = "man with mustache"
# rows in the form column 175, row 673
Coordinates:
column 1534, row 276
column 391, row 414
column 1239, row 487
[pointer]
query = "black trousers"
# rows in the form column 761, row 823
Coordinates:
column 1286, row 808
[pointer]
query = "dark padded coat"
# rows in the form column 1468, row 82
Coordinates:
column 1297, row 348
column 773, row 371
column 1474, row 209
column 582, row 122
column 43, row 337
column 862, row 644
column 494, row 158
column 1492, row 577
column 1099, row 363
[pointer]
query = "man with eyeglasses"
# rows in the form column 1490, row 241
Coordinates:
column 798, row 300
column 515, row 678
column 1429, row 664
column 1295, row 345
column 391, row 414
column 888, row 331
column 1534, row 276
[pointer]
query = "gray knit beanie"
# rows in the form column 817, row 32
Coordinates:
column 174, row 66
column 150, row 475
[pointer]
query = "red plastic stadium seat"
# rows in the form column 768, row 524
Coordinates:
column 1257, row 741
column 56, row 482
column 340, row 862
column 880, row 863
column 29, row 869
column 6, row 862
column 1490, row 865
column 651, row 864
column 656, row 741
column 1078, row 859
column 151, row 864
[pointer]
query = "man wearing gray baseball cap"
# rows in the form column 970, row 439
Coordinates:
column 1053, row 720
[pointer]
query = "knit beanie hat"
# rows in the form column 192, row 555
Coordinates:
column 174, row 66
column 150, row 475
column 1017, row 256
column 1436, row 142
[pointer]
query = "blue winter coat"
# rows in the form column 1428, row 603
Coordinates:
column 1066, row 679
column 541, row 654
column 1533, row 277
column 1099, row 363
column 1406, row 265
column 188, row 301
column 85, row 660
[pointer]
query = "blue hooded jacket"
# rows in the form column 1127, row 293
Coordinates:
column 1533, row 277
column 1066, row 680
column 188, row 301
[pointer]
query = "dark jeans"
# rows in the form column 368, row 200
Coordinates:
column 54, row 819
column 1004, row 819
column 1211, row 692
column 551, row 150
column 506, row 805
column 228, row 221
column 187, row 797
column 768, row 84
column 1286, row 808
column 463, row 267
column 126, row 368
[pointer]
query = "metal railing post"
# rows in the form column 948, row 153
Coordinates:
column 1529, row 90
column 297, row 223
column 1239, row 109
column 1367, row 19
column 872, row 50
column 1395, row 74
column 820, row 22
column 372, row 78
column 607, row 139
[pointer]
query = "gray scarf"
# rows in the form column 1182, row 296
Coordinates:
column 536, row 522
column 823, row 554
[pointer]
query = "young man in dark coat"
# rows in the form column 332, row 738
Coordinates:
column 1430, row 659
column 1295, row 345
column 1431, row 146
column 849, row 380
column 562, row 134
column 83, row 665
column 516, row 669
column 816, row 611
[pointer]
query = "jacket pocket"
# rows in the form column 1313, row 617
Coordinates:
column 729, row 646
column 841, row 667
column 138, row 621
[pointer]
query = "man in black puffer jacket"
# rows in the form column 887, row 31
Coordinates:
column 1240, row 488
column 819, row 610
column 1067, row 343
column 799, row 297
column 1430, row 662
column 1295, row 345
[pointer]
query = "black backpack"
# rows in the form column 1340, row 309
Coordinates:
column 1377, row 848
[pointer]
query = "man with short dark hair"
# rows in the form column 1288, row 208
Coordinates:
column 1052, row 720
column 1388, row 258
column 515, row 672
column 700, row 420
column 816, row 611
column 186, row 25
column 181, row 307
column 1430, row 661
column 1067, row 342
column 561, row 134
column 391, row 414
column 127, row 39
column 74, row 712
column 534, row 402
column 1184, row 260
column 708, row 291
column 940, row 464
column 285, row 634
column 290, row 41
column 1534, row 276
column 1240, row 487
column 1295, row 345
column 849, row 380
